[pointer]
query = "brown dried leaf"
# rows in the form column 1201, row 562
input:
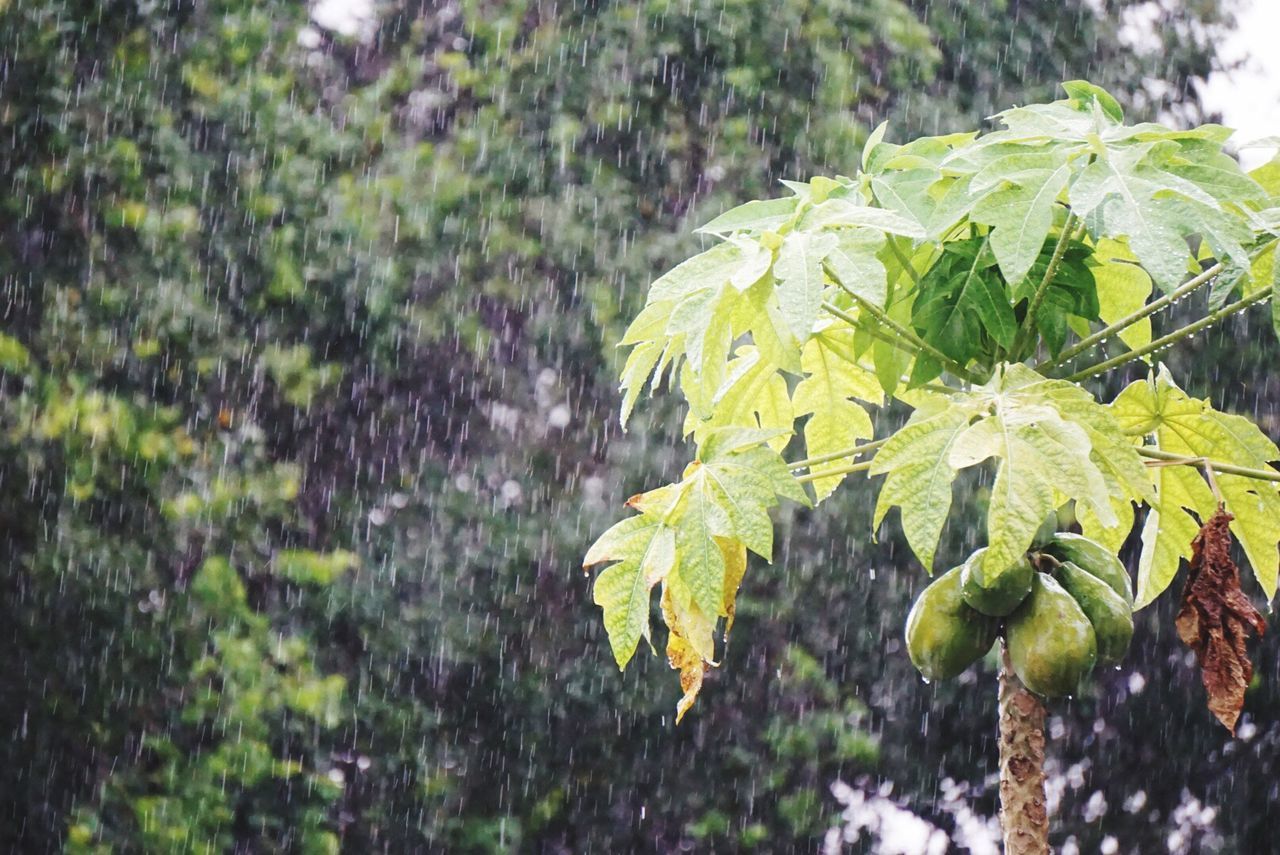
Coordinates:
column 1215, row 620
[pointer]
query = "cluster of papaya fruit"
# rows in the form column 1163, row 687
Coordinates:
column 1063, row 608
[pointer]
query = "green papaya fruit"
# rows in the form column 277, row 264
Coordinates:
column 1110, row 616
column 1052, row 645
column 1094, row 558
column 945, row 636
column 999, row 596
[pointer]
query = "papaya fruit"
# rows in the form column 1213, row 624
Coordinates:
column 1108, row 614
column 1094, row 558
column 999, row 596
column 945, row 636
column 1052, row 645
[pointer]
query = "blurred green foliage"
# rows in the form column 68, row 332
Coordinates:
column 305, row 356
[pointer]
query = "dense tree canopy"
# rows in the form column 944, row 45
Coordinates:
column 307, row 348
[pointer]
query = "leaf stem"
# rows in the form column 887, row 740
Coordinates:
column 905, row 334
column 1207, row 465
column 1218, row 466
column 904, row 261
column 849, row 319
column 843, row 470
column 1130, row 319
column 856, row 450
column 1037, row 299
column 1166, row 340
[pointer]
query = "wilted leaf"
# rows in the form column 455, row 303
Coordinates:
column 1216, row 618
column 690, row 642
column 692, row 537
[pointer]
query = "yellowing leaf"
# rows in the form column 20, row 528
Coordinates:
column 753, row 395
column 799, row 274
column 707, row 270
column 743, row 484
column 760, row 314
column 635, row 373
column 703, row 323
column 1180, row 424
column 735, row 568
column 644, row 551
column 692, row 536
column 1169, row 528
column 691, row 639
column 1268, row 176
column 1123, row 288
column 1041, row 432
column 1264, row 271
column 688, row 631
column 699, row 518
column 1111, row 452
column 855, row 264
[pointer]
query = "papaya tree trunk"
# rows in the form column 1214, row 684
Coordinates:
column 1024, row 817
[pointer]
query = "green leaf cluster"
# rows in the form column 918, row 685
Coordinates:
column 691, row 537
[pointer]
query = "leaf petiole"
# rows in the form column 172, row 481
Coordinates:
column 1165, row 458
column 1166, row 340
column 1130, row 319
column 1042, row 290
column 838, row 455
column 905, row 346
column 905, row 262
column 843, row 470
column 905, row 334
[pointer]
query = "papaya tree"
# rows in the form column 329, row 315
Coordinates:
column 979, row 292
